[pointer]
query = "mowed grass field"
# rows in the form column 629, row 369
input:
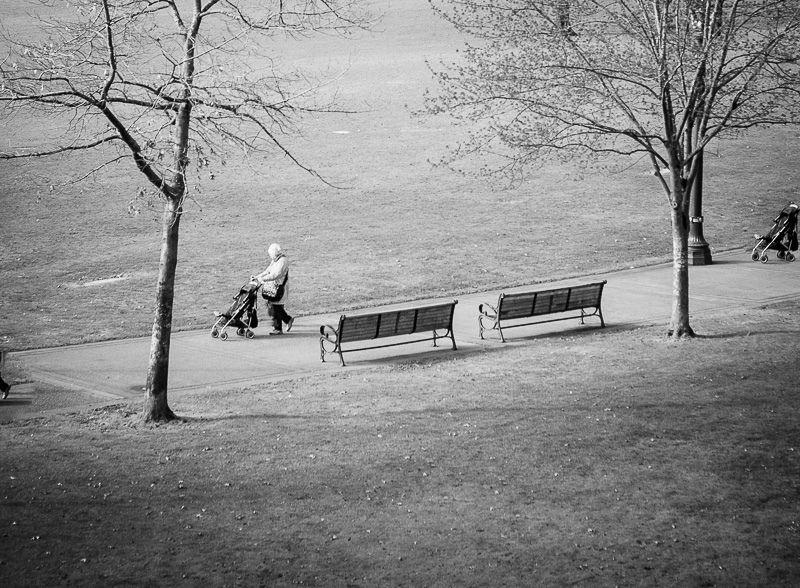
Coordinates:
column 76, row 266
column 600, row 458
column 604, row 458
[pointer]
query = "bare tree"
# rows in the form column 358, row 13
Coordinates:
column 166, row 83
column 655, row 77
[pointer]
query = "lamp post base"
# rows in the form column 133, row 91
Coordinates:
column 699, row 250
column 700, row 255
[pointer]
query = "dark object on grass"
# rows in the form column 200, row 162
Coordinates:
column 5, row 387
column 241, row 314
column 782, row 237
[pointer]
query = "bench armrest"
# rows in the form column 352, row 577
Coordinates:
column 329, row 333
column 490, row 311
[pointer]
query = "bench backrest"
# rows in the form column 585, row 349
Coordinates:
column 390, row 323
column 525, row 304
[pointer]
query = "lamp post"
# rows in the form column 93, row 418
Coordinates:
column 699, row 250
column 707, row 24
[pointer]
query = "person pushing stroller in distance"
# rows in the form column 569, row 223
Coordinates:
column 274, row 283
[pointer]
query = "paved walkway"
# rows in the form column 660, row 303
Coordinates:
column 98, row 373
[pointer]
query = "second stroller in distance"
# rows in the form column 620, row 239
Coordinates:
column 241, row 314
column 782, row 237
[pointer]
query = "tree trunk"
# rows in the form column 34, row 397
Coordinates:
column 679, row 323
column 156, row 407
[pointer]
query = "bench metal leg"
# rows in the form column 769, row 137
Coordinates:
column 323, row 352
column 495, row 325
column 597, row 312
column 449, row 333
column 452, row 338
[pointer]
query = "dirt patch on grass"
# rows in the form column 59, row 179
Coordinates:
column 602, row 458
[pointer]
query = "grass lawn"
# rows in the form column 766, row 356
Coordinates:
column 76, row 267
column 559, row 462
column 605, row 458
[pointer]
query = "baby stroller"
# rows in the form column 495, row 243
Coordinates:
column 782, row 237
column 241, row 314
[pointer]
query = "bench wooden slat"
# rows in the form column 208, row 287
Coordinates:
column 395, row 323
column 359, row 328
column 518, row 305
column 551, row 302
column 437, row 317
column 585, row 297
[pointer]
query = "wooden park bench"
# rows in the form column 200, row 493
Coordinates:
column 388, row 323
column 541, row 303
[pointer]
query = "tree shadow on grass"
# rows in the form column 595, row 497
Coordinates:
column 11, row 408
column 490, row 347
column 10, row 401
column 749, row 333
column 569, row 332
column 234, row 417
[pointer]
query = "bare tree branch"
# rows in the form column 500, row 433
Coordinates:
column 60, row 150
column 544, row 79
column 166, row 81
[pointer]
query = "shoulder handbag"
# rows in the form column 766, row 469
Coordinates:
column 269, row 289
column 272, row 291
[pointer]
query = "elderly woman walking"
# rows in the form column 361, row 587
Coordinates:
column 276, row 289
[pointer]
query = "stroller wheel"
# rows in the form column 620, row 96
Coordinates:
column 764, row 259
column 755, row 256
column 780, row 254
column 789, row 256
column 223, row 335
column 249, row 334
column 214, row 333
column 240, row 332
